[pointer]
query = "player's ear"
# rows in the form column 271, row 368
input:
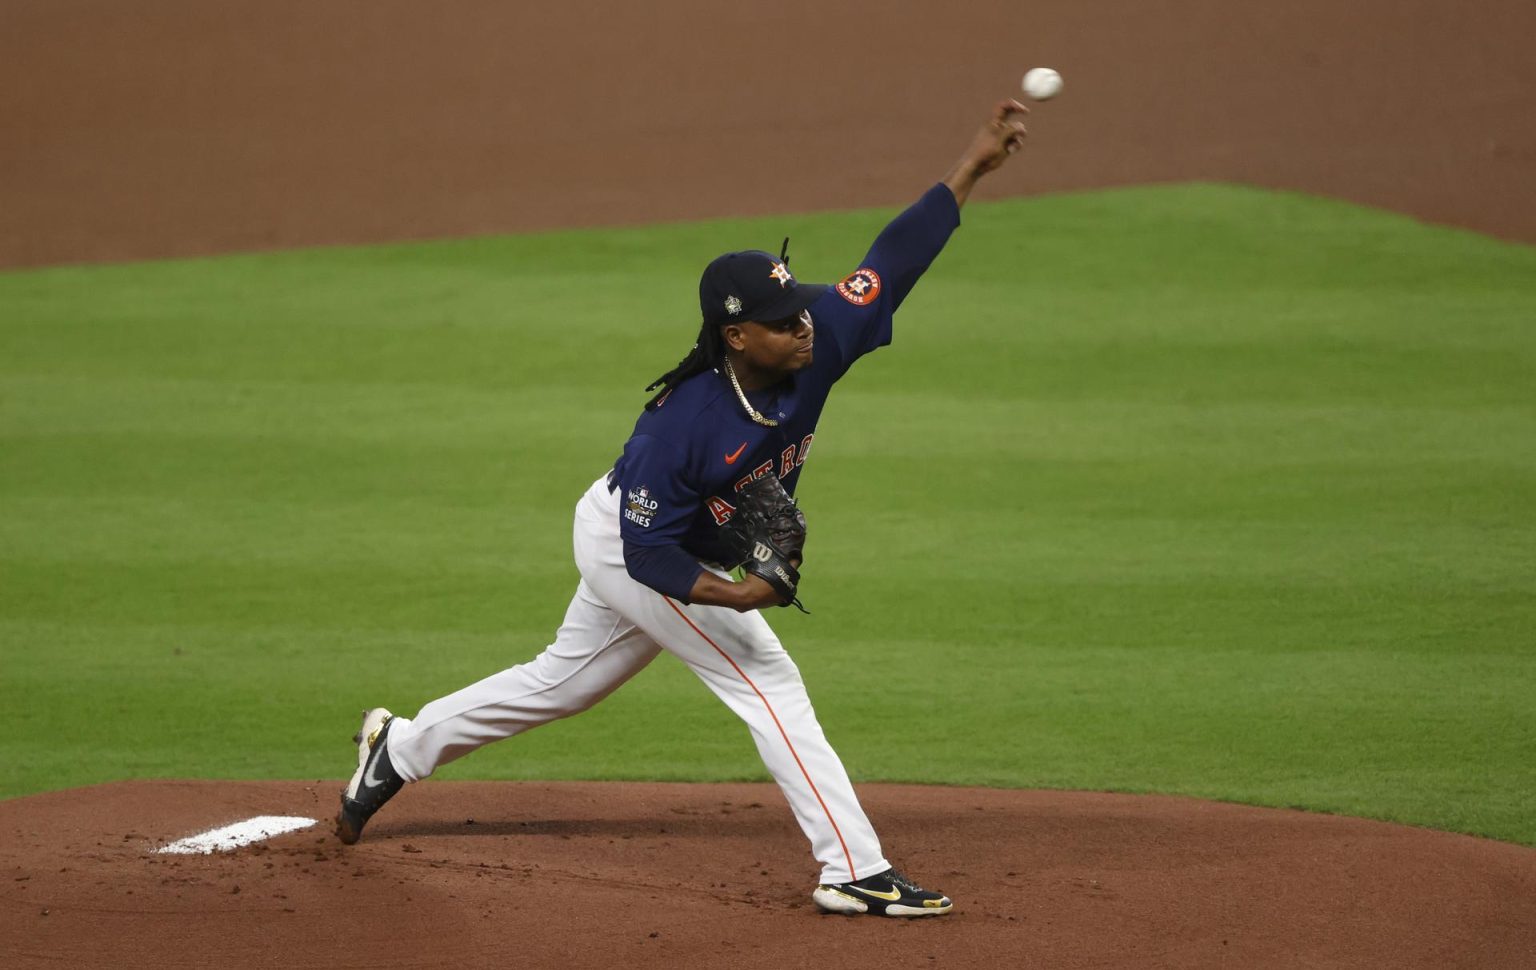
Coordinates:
column 734, row 335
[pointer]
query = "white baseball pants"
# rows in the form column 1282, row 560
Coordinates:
column 613, row 628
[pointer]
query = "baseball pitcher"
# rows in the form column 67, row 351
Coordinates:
column 705, row 484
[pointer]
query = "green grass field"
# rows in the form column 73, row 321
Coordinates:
column 1190, row 489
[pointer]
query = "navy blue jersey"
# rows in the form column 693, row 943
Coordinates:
column 680, row 470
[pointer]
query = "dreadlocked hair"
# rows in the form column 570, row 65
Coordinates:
column 705, row 355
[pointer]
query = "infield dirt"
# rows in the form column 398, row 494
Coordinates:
column 456, row 874
column 165, row 128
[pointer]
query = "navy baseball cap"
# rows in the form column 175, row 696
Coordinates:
column 753, row 285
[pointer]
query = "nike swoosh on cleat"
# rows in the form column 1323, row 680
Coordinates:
column 891, row 896
column 370, row 778
column 731, row 458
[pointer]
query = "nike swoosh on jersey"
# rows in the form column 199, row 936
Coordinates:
column 731, row 458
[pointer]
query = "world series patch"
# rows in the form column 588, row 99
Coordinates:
column 861, row 287
column 641, row 508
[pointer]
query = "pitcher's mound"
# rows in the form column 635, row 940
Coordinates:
column 537, row 875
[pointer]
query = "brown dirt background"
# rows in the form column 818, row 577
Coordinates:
column 169, row 128
column 174, row 127
column 600, row 875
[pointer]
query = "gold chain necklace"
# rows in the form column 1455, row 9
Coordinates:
column 742, row 397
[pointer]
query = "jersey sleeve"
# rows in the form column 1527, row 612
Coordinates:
column 656, row 506
column 859, row 310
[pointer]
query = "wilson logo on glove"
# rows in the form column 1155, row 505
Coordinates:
column 766, row 534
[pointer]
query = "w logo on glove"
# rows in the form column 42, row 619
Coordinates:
column 767, row 535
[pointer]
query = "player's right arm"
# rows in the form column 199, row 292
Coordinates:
column 1001, row 136
column 905, row 248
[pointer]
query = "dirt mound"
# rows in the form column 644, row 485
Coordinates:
column 456, row 874
column 173, row 127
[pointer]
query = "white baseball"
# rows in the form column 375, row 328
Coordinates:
column 1042, row 83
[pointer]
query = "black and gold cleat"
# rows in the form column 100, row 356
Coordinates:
column 887, row 894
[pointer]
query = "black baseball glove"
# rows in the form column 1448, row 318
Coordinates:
column 767, row 535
